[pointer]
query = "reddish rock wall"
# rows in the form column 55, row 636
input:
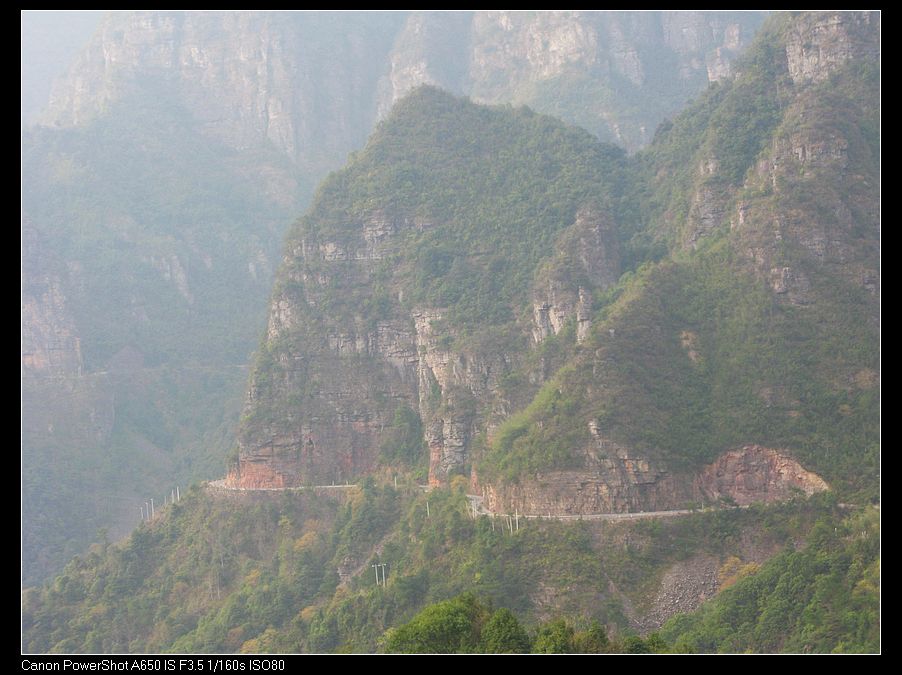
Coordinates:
column 625, row 484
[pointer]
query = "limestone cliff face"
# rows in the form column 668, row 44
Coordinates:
column 617, row 481
column 545, row 45
column 330, row 379
column 458, row 389
column 313, row 84
column 328, row 398
column 587, row 259
column 327, row 388
column 535, row 58
column 819, row 43
column 430, row 48
column 50, row 342
column 787, row 239
column 343, row 385
column 248, row 77
column 810, row 153
column 802, row 221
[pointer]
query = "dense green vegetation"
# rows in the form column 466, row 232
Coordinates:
column 264, row 580
column 729, row 124
column 693, row 352
column 403, row 443
column 465, row 625
column 451, row 207
column 179, row 585
column 762, row 370
column 449, row 627
column 265, row 577
column 822, row 598
column 95, row 449
column 490, row 188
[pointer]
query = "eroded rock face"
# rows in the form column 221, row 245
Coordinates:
column 343, row 395
column 430, row 48
column 317, row 411
column 317, row 417
column 247, row 77
column 414, row 361
column 514, row 55
column 252, row 76
column 587, row 258
column 50, row 342
column 782, row 236
column 614, row 481
column 756, row 474
column 821, row 42
column 706, row 214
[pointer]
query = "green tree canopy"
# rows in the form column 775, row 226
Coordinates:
column 503, row 634
column 555, row 637
column 448, row 627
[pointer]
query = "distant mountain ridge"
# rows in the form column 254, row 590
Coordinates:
column 312, row 83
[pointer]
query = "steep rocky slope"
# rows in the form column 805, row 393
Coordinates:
column 303, row 82
column 693, row 360
column 712, row 375
column 594, row 69
column 394, row 293
column 487, row 292
column 50, row 342
column 178, row 147
column 313, row 83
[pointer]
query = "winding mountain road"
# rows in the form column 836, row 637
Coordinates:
column 478, row 507
column 220, row 485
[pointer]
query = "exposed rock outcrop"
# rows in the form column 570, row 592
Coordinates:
column 170, row 267
column 317, row 412
column 306, row 411
column 587, row 259
column 811, row 193
column 528, row 57
column 430, row 48
column 820, row 42
column 785, row 237
column 277, row 87
column 755, row 474
column 616, row 481
column 335, row 393
column 247, row 77
column 50, row 342
column 347, row 406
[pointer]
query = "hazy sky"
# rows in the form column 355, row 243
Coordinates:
column 50, row 42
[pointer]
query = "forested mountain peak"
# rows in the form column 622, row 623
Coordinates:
column 678, row 350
